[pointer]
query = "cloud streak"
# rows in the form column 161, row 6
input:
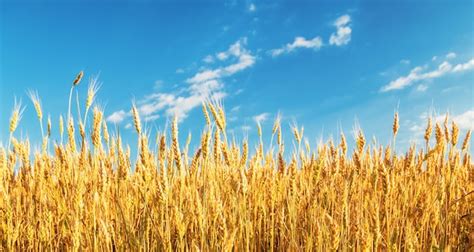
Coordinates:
column 418, row 74
column 299, row 42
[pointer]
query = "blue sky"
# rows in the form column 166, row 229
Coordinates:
column 326, row 65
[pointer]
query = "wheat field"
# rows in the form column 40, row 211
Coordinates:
column 87, row 192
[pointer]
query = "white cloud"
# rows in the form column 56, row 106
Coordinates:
column 343, row 34
column 464, row 67
column 117, row 117
column 341, row 37
column 235, row 49
column 417, row 74
column 299, row 42
column 342, row 21
column 261, row 117
column 451, row 55
column 179, row 70
column 252, row 7
column 404, row 81
column 222, row 56
column 204, row 85
column 244, row 60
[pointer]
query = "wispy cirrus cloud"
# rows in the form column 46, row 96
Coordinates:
column 203, row 85
column 419, row 74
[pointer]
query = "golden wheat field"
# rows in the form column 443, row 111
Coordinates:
column 87, row 192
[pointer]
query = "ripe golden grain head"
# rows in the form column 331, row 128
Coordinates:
column 222, row 117
column 136, row 119
column 217, row 145
column 175, row 142
column 48, row 129
column 279, row 137
column 259, row 129
column 15, row 116
column 396, row 124
column 92, row 92
column 454, row 133
column 36, row 103
column 360, row 141
column 343, row 144
column 465, row 143
column 245, row 153
column 439, row 134
column 428, row 130
column 70, row 133
column 78, row 78
column 3, row 158
column 96, row 127
column 446, row 128
column 217, row 114
column 188, row 142
column 82, row 130
column 61, row 125
column 276, row 124
column 206, row 114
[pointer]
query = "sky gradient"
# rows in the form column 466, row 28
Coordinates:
column 326, row 65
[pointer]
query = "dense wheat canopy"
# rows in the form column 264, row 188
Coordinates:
column 86, row 192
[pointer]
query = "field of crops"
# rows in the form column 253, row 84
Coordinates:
column 86, row 192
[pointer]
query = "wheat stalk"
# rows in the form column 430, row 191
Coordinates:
column 76, row 82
